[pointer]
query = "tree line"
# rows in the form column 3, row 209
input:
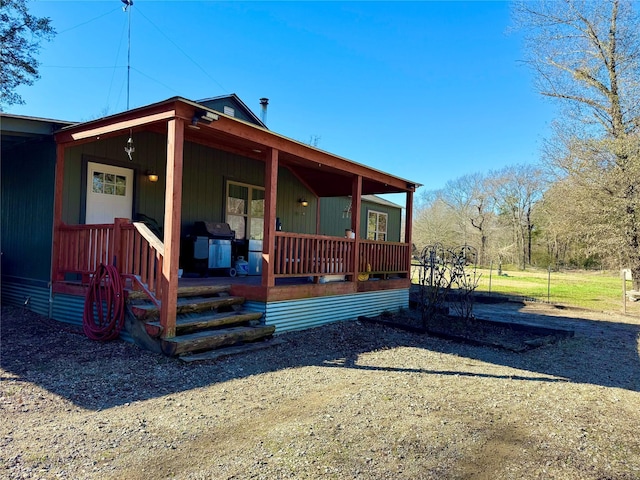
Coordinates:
column 495, row 212
column 581, row 205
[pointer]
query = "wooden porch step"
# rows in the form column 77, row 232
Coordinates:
column 187, row 324
column 183, row 292
column 212, row 339
column 233, row 350
column 203, row 291
column 187, row 305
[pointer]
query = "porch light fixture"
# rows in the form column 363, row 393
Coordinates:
column 129, row 148
column 153, row 177
column 303, row 202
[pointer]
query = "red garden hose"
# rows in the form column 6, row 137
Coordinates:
column 103, row 317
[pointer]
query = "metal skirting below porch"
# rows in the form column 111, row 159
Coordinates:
column 305, row 313
column 26, row 293
column 34, row 296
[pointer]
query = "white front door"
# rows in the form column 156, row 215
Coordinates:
column 109, row 193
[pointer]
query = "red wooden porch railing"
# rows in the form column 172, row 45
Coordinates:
column 82, row 248
column 384, row 257
column 141, row 257
column 134, row 250
column 138, row 254
column 299, row 255
column 315, row 255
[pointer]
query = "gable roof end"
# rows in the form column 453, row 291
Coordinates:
column 209, row 102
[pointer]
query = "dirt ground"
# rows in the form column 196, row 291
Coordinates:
column 348, row 400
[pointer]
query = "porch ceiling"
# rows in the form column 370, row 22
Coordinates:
column 322, row 177
column 326, row 174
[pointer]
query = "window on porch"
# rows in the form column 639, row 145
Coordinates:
column 377, row 225
column 245, row 210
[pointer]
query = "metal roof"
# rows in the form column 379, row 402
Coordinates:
column 18, row 129
column 380, row 201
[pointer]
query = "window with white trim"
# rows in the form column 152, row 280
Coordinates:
column 377, row 225
column 245, row 210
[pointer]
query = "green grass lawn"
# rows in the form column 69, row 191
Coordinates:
column 593, row 290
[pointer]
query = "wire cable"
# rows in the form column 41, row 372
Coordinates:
column 115, row 67
column 88, row 21
column 180, row 49
column 156, row 80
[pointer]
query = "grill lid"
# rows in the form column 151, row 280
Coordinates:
column 213, row 230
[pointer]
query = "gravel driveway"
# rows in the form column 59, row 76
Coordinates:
column 348, row 400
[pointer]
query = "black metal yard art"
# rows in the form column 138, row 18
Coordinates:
column 441, row 270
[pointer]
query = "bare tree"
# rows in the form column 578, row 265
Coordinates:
column 565, row 222
column 471, row 198
column 587, row 56
column 517, row 189
column 434, row 222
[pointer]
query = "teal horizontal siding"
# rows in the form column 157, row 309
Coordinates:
column 25, row 294
column 252, row 306
column 312, row 312
column 68, row 309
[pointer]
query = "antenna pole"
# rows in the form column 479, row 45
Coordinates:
column 127, row 4
column 128, row 57
column 129, row 148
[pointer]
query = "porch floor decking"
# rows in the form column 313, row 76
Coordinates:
column 250, row 287
column 196, row 280
column 292, row 288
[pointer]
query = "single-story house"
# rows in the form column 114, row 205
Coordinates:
column 71, row 191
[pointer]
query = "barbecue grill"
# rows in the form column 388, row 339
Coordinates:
column 212, row 245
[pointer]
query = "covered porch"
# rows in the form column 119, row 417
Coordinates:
column 294, row 263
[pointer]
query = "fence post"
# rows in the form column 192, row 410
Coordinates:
column 549, row 284
column 490, row 272
column 624, row 291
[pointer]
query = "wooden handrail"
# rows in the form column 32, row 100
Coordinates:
column 141, row 256
column 150, row 237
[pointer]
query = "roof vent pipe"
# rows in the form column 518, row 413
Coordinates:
column 264, row 102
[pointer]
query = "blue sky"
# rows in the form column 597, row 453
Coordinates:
column 428, row 91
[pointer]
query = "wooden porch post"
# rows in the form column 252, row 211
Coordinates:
column 57, row 214
column 172, row 213
column 356, row 207
column 408, row 226
column 271, row 194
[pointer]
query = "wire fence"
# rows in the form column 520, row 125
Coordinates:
column 594, row 290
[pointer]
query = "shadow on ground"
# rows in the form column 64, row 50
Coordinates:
column 96, row 376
